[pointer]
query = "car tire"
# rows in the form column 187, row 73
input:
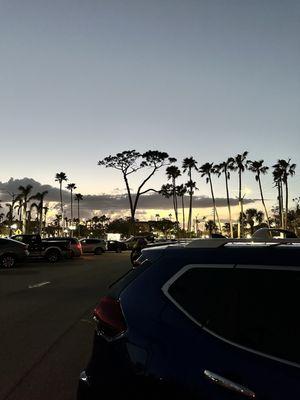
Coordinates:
column 7, row 261
column 98, row 251
column 52, row 256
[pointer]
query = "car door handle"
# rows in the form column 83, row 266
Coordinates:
column 226, row 383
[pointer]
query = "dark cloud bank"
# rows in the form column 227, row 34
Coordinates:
column 106, row 202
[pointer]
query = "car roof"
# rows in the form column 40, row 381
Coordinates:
column 239, row 252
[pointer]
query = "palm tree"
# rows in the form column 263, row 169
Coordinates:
column 173, row 173
column 259, row 169
column 10, row 213
column 191, row 187
column 23, row 199
column 181, row 191
column 226, row 167
column 60, row 177
column 252, row 216
column 71, row 187
column 166, row 190
column 240, row 166
column 40, row 196
column 277, row 179
column 210, row 226
column 18, row 207
column 78, row 198
column 206, row 170
column 45, row 209
column 285, row 170
column 188, row 165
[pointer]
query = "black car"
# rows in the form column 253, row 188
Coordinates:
column 115, row 245
column 11, row 252
column 212, row 320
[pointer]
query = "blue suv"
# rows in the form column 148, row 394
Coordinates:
column 214, row 319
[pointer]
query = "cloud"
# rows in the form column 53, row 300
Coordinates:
column 111, row 204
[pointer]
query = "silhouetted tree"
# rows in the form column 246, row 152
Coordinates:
column 284, row 169
column 23, row 199
column 240, row 166
column 181, row 191
column 206, row 170
column 130, row 161
column 40, row 196
column 259, row 169
column 188, row 164
column 71, row 187
column 226, row 167
column 173, row 173
column 61, row 177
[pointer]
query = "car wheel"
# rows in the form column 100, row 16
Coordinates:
column 7, row 261
column 98, row 251
column 52, row 256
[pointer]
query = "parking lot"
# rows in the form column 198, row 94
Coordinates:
column 46, row 328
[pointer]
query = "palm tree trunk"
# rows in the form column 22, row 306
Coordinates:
column 24, row 216
column 191, row 203
column 183, row 213
column 175, row 200
column 214, row 204
column 263, row 201
column 71, row 205
column 241, row 219
column 286, row 203
column 61, row 206
column 282, row 207
column 228, row 205
column 41, row 217
column 78, row 214
column 279, row 205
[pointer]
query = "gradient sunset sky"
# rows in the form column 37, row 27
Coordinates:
column 84, row 79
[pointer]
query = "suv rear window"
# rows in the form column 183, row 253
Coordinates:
column 255, row 308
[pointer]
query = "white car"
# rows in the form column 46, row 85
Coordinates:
column 96, row 246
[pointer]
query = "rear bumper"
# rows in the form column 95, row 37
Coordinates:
column 118, row 370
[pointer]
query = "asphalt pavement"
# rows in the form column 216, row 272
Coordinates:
column 46, row 328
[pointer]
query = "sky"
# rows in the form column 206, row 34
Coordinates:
column 81, row 80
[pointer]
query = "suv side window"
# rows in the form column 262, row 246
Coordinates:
column 207, row 295
column 254, row 308
column 268, row 311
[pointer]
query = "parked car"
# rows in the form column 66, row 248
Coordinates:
column 75, row 245
column 96, row 246
column 273, row 233
column 130, row 242
column 115, row 245
column 52, row 250
column 210, row 320
column 11, row 252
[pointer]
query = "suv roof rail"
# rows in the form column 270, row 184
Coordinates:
column 216, row 243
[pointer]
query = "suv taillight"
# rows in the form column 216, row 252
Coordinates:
column 109, row 317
